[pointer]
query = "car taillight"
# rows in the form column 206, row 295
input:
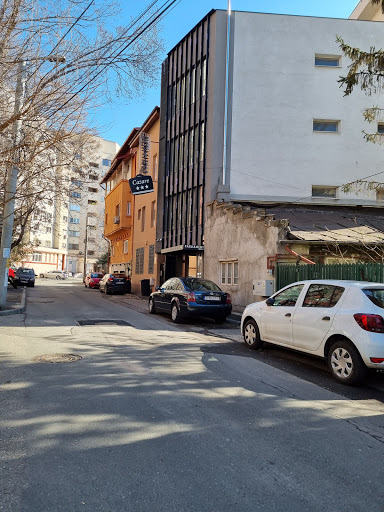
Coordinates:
column 110, row 279
column 191, row 297
column 371, row 323
column 377, row 359
column 229, row 299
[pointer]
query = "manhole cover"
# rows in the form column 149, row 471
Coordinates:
column 103, row 322
column 57, row 358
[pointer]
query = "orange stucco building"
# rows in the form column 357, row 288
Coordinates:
column 130, row 220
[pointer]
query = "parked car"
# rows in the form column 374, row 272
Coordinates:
column 183, row 297
column 115, row 283
column 53, row 274
column 25, row 276
column 340, row 321
column 92, row 279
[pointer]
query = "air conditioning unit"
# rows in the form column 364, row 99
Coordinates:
column 116, row 220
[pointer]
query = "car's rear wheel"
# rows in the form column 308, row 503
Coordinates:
column 251, row 334
column 345, row 363
column 175, row 313
column 41, row 275
column 107, row 291
column 151, row 306
column 58, row 277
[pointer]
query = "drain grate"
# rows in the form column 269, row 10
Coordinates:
column 82, row 323
column 57, row 358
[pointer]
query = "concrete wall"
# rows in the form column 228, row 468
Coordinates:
column 249, row 236
column 278, row 92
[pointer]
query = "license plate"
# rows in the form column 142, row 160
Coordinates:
column 120, row 282
column 212, row 298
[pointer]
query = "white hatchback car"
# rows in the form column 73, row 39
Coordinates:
column 340, row 321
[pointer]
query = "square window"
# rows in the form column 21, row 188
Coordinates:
column 321, row 191
column 325, row 126
column 380, row 128
column 329, row 61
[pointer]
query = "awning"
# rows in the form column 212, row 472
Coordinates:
column 341, row 225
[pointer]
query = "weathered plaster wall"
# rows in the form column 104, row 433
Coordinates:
column 242, row 234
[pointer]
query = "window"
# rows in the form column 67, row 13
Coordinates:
column 74, row 221
column 325, row 126
column 93, row 164
column 230, row 272
column 322, row 296
column 320, row 191
column 65, row 218
column 151, row 259
column 73, row 233
column 113, row 250
column 36, row 256
column 90, row 189
column 125, row 247
column 91, row 201
column 75, row 194
column 128, row 208
column 204, row 77
column 140, row 260
column 63, row 246
column 73, row 247
column 93, row 177
column 48, row 229
column 106, row 162
column 153, row 214
column 76, row 183
column 380, row 128
column 74, row 207
column 143, row 219
column 375, row 295
column 117, row 210
column 289, row 296
column 329, row 61
column 139, row 214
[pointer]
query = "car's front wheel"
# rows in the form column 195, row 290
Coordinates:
column 151, row 306
column 58, row 277
column 175, row 313
column 41, row 275
column 345, row 363
column 251, row 334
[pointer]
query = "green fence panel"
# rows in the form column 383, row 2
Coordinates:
column 288, row 273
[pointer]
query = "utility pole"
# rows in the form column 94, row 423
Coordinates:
column 85, row 249
column 10, row 188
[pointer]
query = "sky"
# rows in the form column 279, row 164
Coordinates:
column 117, row 120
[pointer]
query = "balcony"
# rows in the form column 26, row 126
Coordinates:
column 116, row 220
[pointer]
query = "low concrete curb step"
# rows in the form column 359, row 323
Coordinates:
column 17, row 309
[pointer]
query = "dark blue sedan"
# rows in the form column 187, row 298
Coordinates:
column 183, row 297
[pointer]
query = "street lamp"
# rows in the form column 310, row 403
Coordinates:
column 11, row 182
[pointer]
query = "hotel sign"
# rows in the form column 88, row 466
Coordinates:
column 141, row 184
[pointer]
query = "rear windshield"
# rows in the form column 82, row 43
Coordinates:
column 376, row 295
column 27, row 271
column 201, row 285
column 97, row 275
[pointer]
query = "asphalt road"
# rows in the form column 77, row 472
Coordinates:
column 158, row 417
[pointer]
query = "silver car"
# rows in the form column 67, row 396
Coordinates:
column 53, row 274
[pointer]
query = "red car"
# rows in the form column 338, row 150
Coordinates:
column 92, row 280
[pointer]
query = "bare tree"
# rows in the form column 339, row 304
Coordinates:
column 99, row 65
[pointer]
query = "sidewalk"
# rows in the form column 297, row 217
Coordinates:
column 16, row 299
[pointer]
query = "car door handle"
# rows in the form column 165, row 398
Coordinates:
column 326, row 318
column 288, row 315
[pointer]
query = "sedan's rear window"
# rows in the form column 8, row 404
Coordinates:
column 201, row 285
column 375, row 295
column 99, row 276
column 27, row 271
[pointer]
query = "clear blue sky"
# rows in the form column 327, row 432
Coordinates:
column 118, row 119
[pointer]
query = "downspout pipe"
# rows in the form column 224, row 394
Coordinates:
column 302, row 258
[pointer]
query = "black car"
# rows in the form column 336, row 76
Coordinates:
column 115, row 283
column 191, row 296
column 25, row 276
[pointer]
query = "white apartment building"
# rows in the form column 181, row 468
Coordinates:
column 67, row 233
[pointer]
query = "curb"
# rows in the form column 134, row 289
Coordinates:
column 20, row 309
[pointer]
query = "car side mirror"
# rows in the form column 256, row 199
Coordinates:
column 270, row 301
